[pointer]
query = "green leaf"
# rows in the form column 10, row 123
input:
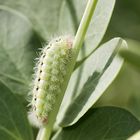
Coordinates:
column 99, row 70
column 43, row 16
column 98, row 25
column 13, row 119
column 16, row 52
column 106, row 123
column 120, row 93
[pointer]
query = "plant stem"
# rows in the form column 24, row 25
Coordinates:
column 80, row 35
column 46, row 131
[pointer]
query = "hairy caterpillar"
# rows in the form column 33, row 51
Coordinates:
column 50, row 73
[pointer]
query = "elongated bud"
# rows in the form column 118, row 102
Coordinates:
column 50, row 74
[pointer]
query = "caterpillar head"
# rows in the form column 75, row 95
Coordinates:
column 65, row 41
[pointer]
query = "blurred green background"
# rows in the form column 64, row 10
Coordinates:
column 125, row 90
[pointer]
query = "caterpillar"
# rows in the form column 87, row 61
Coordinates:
column 50, row 73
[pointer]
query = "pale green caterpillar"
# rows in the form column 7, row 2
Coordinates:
column 50, row 73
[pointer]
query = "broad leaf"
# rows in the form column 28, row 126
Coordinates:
column 99, row 70
column 42, row 15
column 98, row 25
column 106, row 123
column 13, row 119
column 16, row 52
